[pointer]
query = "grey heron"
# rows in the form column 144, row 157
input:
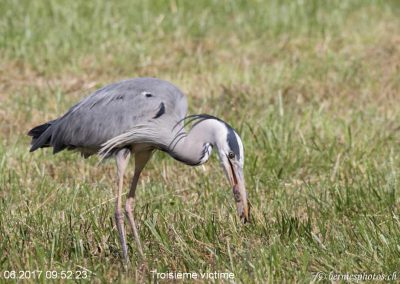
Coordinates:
column 138, row 116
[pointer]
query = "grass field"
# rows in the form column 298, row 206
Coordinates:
column 313, row 87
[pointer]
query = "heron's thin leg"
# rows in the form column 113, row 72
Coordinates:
column 122, row 158
column 141, row 159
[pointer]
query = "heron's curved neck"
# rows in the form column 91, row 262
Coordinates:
column 194, row 147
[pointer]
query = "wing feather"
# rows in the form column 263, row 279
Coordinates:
column 112, row 115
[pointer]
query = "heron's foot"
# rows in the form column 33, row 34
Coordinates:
column 119, row 219
column 126, row 264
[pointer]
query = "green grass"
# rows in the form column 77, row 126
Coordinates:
column 312, row 87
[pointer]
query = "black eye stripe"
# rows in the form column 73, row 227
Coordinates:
column 232, row 142
column 149, row 95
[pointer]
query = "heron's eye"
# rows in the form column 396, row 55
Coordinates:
column 231, row 155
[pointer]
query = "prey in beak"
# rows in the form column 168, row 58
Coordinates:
column 234, row 172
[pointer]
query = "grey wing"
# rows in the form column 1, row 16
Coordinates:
column 115, row 110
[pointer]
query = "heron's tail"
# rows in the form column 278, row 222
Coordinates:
column 41, row 136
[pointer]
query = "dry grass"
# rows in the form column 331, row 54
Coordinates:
column 313, row 89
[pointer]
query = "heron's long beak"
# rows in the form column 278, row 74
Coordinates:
column 236, row 178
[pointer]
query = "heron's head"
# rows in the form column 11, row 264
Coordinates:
column 231, row 155
column 208, row 132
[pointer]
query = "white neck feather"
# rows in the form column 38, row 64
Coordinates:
column 195, row 147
